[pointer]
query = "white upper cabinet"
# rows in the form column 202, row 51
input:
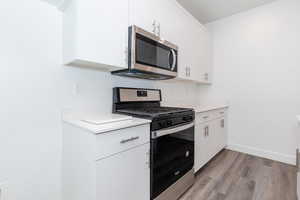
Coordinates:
column 202, row 56
column 177, row 26
column 59, row 4
column 96, row 34
column 155, row 16
column 206, row 57
column 144, row 14
column 194, row 50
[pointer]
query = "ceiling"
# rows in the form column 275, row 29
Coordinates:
column 210, row 10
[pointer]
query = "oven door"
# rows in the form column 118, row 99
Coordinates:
column 172, row 156
column 149, row 54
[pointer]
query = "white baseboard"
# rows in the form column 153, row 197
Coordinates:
column 288, row 159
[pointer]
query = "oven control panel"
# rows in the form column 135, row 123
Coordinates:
column 170, row 122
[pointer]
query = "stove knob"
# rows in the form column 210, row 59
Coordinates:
column 169, row 123
column 187, row 153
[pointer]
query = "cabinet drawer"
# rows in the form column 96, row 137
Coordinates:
column 210, row 115
column 219, row 113
column 204, row 117
column 121, row 140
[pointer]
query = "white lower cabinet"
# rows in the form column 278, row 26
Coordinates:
column 108, row 166
column 125, row 175
column 201, row 145
column 210, row 136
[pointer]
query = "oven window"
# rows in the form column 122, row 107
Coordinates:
column 172, row 157
column 150, row 52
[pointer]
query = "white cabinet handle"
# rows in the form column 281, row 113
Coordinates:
column 148, row 159
column 222, row 123
column 206, row 76
column 129, row 140
column 188, row 72
column 206, row 131
column 154, row 26
column 158, row 27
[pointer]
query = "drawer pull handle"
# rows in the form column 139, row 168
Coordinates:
column 205, row 117
column 221, row 113
column 222, row 123
column 129, row 140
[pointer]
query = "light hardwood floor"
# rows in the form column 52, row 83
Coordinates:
column 236, row 176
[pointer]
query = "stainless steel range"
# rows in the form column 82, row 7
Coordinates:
column 172, row 140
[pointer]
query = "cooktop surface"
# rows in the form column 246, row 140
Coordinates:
column 153, row 111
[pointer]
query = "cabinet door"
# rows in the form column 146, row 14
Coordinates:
column 202, row 149
column 205, row 51
column 222, row 133
column 200, row 54
column 125, row 176
column 143, row 13
column 185, row 42
column 217, row 136
column 213, row 139
column 168, row 13
column 193, row 41
column 95, row 34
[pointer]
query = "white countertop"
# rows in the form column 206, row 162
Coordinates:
column 206, row 108
column 203, row 108
column 102, row 123
column 97, row 123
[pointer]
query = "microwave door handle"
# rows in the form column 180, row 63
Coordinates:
column 160, row 133
column 174, row 60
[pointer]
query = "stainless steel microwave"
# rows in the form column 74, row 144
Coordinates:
column 149, row 57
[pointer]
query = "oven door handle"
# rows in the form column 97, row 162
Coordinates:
column 160, row 133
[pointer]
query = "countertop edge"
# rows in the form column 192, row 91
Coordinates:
column 99, row 129
column 210, row 108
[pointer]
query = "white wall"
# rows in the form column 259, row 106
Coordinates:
column 257, row 71
column 35, row 87
column 29, row 130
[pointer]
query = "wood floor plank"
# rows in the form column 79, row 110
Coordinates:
column 237, row 176
column 216, row 196
column 243, row 190
column 230, row 176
